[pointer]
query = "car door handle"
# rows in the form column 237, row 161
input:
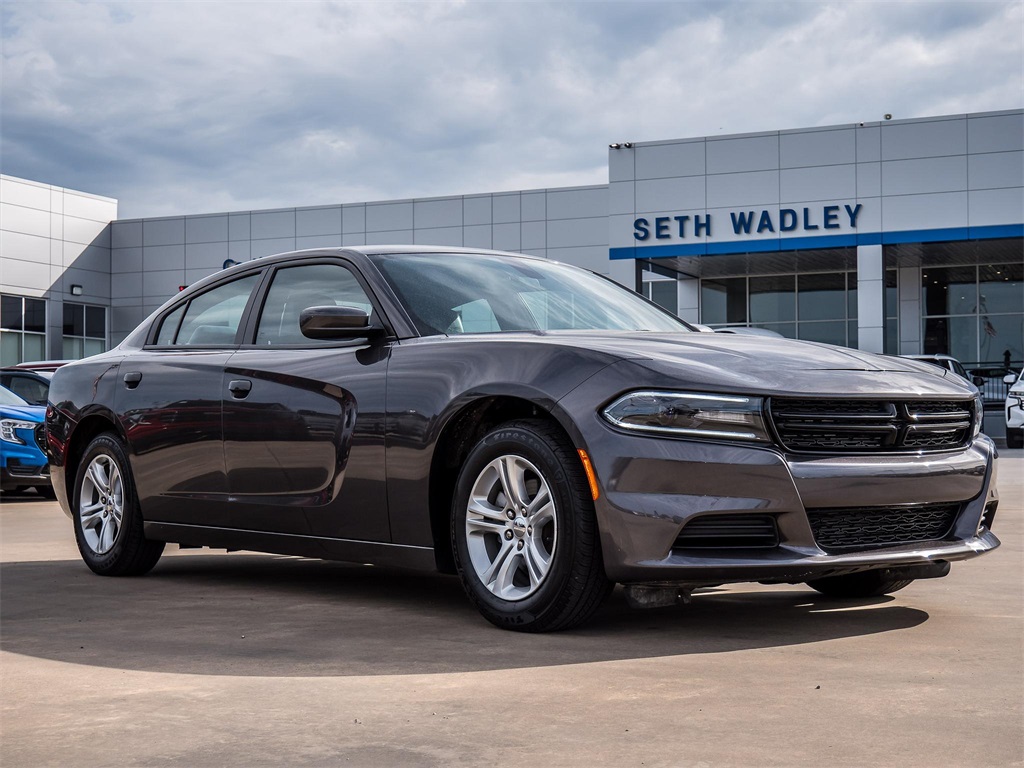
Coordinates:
column 239, row 388
column 132, row 379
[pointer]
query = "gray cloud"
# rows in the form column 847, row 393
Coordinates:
column 178, row 107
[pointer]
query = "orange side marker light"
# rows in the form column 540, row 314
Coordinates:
column 591, row 477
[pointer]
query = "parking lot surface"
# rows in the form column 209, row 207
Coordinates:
column 219, row 659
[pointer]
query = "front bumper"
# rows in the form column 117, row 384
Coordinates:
column 15, row 475
column 651, row 488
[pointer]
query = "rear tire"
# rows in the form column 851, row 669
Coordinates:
column 524, row 532
column 1015, row 438
column 863, row 584
column 108, row 522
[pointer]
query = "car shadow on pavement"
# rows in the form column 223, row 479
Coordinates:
column 261, row 615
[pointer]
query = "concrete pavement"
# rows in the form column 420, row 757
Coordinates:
column 221, row 659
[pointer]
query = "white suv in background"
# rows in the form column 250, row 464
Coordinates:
column 1015, row 411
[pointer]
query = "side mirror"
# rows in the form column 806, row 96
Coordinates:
column 335, row 323
column 979, row 381
column 1010, row 379
column 703, row 328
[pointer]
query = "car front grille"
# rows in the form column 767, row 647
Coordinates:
column 864, row 426
column 728, row 531
column 845, row 530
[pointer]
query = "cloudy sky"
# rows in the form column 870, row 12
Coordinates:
column 188, row 107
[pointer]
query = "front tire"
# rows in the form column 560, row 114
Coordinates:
column 854, row 585
column 524, row 532
column 108, row 522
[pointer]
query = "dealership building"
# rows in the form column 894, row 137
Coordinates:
column 901, row 236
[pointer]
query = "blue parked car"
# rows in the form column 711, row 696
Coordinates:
column 22, row 463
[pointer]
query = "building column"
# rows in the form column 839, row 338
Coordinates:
column 910, row 310
column 870, row 298
column 688, row 293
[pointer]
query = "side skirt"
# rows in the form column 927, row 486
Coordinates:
column 348, row 550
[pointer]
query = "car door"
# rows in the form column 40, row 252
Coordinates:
column 169, row 398
column 304, row 419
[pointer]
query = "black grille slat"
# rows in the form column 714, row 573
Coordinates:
column 835, row 425
column 729, row 531
column 859, row 528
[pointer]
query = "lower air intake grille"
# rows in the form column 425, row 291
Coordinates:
column 728, row 531
column 844, row 530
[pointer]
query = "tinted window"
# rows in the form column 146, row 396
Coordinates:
column 297, row 288
column 32, row 390
column 445, row 292
column 213, row 317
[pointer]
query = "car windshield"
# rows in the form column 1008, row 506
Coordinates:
column 449, row 293
column 9, row 398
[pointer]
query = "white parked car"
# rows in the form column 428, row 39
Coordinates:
column 1015, row 411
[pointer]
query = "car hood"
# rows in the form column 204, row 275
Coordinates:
column 756, row 364
column 36, row 413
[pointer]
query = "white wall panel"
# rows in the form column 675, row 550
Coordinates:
column 833, row 182
column 88, row 207
column 318, row 221
column 157, row 287
column 271, row 246
column 567, row 233
column 390, row 237
column 124, row 260
column 476, row 210
column 806, row 148
column 507, row 237
column 126, row 234
column 269, row 225
column 927, row 175
column 621, row 164
column 534, row 234
column 86, row 231
column 238, row 226
column 353, row 219
column 439, row 236
column 506, row 208
column 621, row 197
column 869, row 144
column 997, row 170
column 28, row 221
column 869, row 179
column 737, row 189
column 126, row 285
column 163, row 231
column 381, row 217
column 585, row 256
column 939, row 211
column 163, row 257
column 95, row 285
column 318, row 241
column 25, row 193
column 91, row 257
column 675, row 194
column 206, row 229
column 995, row 133
column 20, row 274
column 752, row 153
column 17, row 245
column 431, row 214
column 663, row 160
column 240, row 250
column 577, row 203
column 478, row 236
column 988, row 207
column 902, row 141
column 206, row 255
column 533, row 206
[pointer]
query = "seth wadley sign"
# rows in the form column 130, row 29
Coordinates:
column 749, row 222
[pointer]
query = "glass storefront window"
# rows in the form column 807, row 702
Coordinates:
column 723, row 301
column 1001, row 338
column 949, row 290
column 829, row 332
column 772, row 299
column 22, row 329
column 822, row 296
column 956, row 336
column 85, row 330
column 1000, row 288
column 664, row 293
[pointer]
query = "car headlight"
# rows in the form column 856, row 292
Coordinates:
column 979, row 415
column 690, row 414
column 7, row 427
